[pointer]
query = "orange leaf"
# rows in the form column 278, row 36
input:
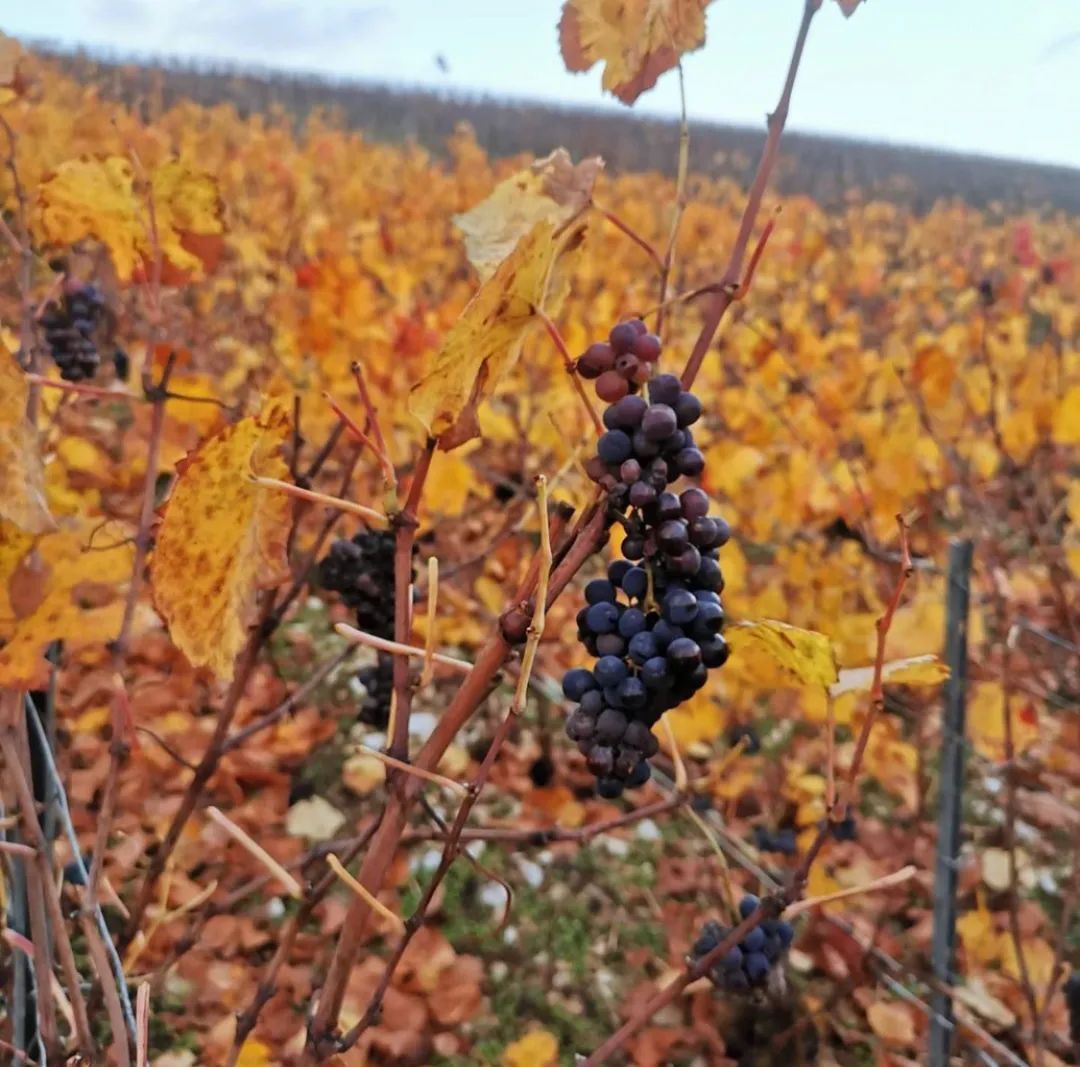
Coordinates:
column 58, row 608
column 223, row 538
column 22, row 477
column 891, row 1022
column 637, row 40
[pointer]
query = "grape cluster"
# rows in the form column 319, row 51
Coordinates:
column 654, row 623
column 70, row 325
column 781, row 841
column 747, row 964
column 362, row 571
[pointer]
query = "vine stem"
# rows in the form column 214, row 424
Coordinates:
column 629, row 231
column 728, row 288
column 405, row 523
column 568, row 364
column 877, row 693
column 683, row 168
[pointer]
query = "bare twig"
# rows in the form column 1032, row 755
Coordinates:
column 730, row 280
column 570, row 368
column 668, row 264
column 362, row 637
column 253, row 848
column 629, row 231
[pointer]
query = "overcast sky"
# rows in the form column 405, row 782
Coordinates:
column 1000, row 77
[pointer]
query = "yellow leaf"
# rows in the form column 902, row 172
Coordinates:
column 314, row 818
column 551, row 189
column 1038, row 956
column 22, row 477
column 223, row 538
column 362, row 773
column 986, row 720
column 78, row 604
column 537, row 1048
column 253, row 1053
column 1067, row 418
column 485, row 341
column 913, row 670
column 101, row 198
column 637, row 40
column 447, row 489
column 982, row 942
column 891, row 1022
column 806, row 654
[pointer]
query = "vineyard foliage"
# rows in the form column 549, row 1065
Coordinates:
column 882, row 363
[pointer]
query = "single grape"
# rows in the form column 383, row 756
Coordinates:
column 609, row 671
column 601, row 759
column 617, row 571
column 680, row 607
column 686, row 562
column 611, row 724
column 654, row 672
column 611, row 386
column 684, row 654
column 687, row 409
column 635, row 581
column 647, row 347
column 709, row 575
column 602, row 618
column 643, row 646
column 710, row 936
column 592, row 702
column 640, row 775
column 623, row 336
column 632, row 622
column 627, row 412
column 632, row 548
column 708, row 621
column 614, row 447
column 666, row 632
column 704, row 532
column 732, row 959
column 658, row 422
column 785, row 932
column 755, row 939
column 577, row 682
column 689, row 462
column 695, row 503
column 658, row 474
column 665, row 389
column 642, row 494
column 630, row 471
column 627, row 365
column 596, row 359
column 706, row 596
column 600, row 591
column 748, row 905
column 579, row 726
column 626, row 759
column 641, row 737
column 723, row 533
column 672, row 536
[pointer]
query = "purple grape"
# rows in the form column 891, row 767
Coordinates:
column 658, row 422
column 632, row 622
column 579, row 726
column 672, row 536
column 684, row 654
column 627, row 365
column 632, row 548
column 665, row 632
column 601, row 759
column 630, row 471
column 680, row 607
column 668, row 507
column 709, row 575
column 600, row 591
column 643, row 447
column 687, row 409
column 755, row 939
column 647, row 347
column 614, row 447
column 617, row 571
column 643, row 647
column 686, row 562
column 665, row 389
column 609, row 788
column 654, row 672
column 609, row 671
column 610, row 645
column 592, row 702
column 714, row 650
column 635, row 581
column 577, row 682
column 694, row 502
column 596, row 359
column 642, row 495
column 627, row 412
column 626, row 759
column 640, row 775
column 755, row 966
column 641, row 737
column 689, row 462
column 623, row 336
column 709, row 619
column 748, row 905
column 632, row 693
column 611, row 386
column 611, row 724
column 602, row 618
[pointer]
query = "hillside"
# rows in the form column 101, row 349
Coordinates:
column 822, row 167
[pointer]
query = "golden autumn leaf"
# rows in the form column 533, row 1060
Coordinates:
column 891, row 1022
column 806, row 654
column 76, row 602
column 552, row 189
column 102, row 198
column 1067, row 418
column 912, row 670
column 538, row 1048
column 637, row 40
column 22, row 477
column 222, row 538
column 254, row 1053
column 486, row 340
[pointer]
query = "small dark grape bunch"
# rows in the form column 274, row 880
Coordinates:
column 781, row 841
column 362, row 571
column 647, row 444
column 746, row 966
column 70, row 325
column 621, row 364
